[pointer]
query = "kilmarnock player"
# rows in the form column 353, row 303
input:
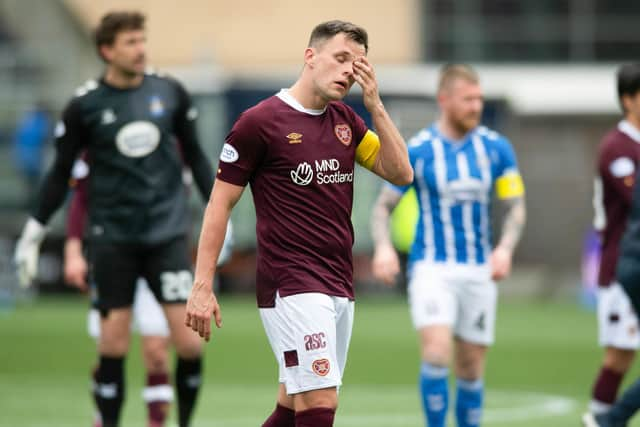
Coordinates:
column 627, row 267
column 618, row 160
column 297, row 151
column 457, row 165
column 129, row 123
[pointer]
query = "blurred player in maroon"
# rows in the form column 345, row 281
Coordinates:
column 148, row 317
column 618, row 160
column 297, row 150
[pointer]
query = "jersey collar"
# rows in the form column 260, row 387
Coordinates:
column 286, row 97
column 630, row 130
column 457, row 143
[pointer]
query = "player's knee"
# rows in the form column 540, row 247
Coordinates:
column 618, row 360
column 469, row 372
column 324, row 398
column 188, row 345
column 156, row 358
column 436, row 355
column 114, row 347
column 469, row 368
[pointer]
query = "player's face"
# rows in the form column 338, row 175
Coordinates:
column 128, row 52
column 632, row 106
column 332, row 66
column 462, row 103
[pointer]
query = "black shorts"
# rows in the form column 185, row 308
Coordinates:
column 115, row 268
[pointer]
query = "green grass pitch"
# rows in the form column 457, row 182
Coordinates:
column 539, row 372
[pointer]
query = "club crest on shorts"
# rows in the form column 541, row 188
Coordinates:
column 343, row 132
column 321, row 367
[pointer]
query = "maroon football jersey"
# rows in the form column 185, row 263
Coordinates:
column 300, row 166
column 618, row 158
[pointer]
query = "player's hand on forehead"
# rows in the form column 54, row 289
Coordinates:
column 365, row 76
column 362, row 65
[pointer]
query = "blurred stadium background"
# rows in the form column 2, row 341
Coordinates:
column 547, row 67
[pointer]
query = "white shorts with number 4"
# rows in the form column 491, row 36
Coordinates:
column 309, row 335
column 462, row 297
column 617, row 322
column 148, row 316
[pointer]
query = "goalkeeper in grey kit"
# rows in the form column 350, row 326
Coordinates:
column 138, row 130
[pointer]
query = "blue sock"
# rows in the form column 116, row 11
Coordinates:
column 435, row 393
column 469, row 402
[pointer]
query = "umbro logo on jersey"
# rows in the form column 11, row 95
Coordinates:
column 295, row 138
column 108, row 117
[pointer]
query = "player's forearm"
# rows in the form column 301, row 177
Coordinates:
column 53, row 191
column 513, row 224
column 380, row 215
column 224, row 196
column 72, row 248
column 200, row 166
column 214, row 227
column 392, row 162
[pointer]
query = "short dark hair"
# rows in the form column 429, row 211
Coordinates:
column 628, row 81
column 113, row 23
column 327, row 30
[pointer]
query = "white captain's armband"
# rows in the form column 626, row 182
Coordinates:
column 509, row 185
column 367, row 150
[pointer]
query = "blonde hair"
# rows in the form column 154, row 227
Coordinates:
column 452, row 72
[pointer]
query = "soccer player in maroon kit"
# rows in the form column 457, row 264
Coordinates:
column 297, row 150
column 618, row 160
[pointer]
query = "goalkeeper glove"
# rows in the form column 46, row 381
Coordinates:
column 28, row 250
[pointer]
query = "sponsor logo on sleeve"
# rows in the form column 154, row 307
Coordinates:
column 343, row 132
column 622, row 166
column 321, row 367
column 229, row 153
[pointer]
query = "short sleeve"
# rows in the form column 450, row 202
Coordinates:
column 243, row 150
column 617, row 169
column 400, row 189
column 368, row 143
column 413, row 155
column 507, row 157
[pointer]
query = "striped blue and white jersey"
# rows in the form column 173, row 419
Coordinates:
column 454, row 181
